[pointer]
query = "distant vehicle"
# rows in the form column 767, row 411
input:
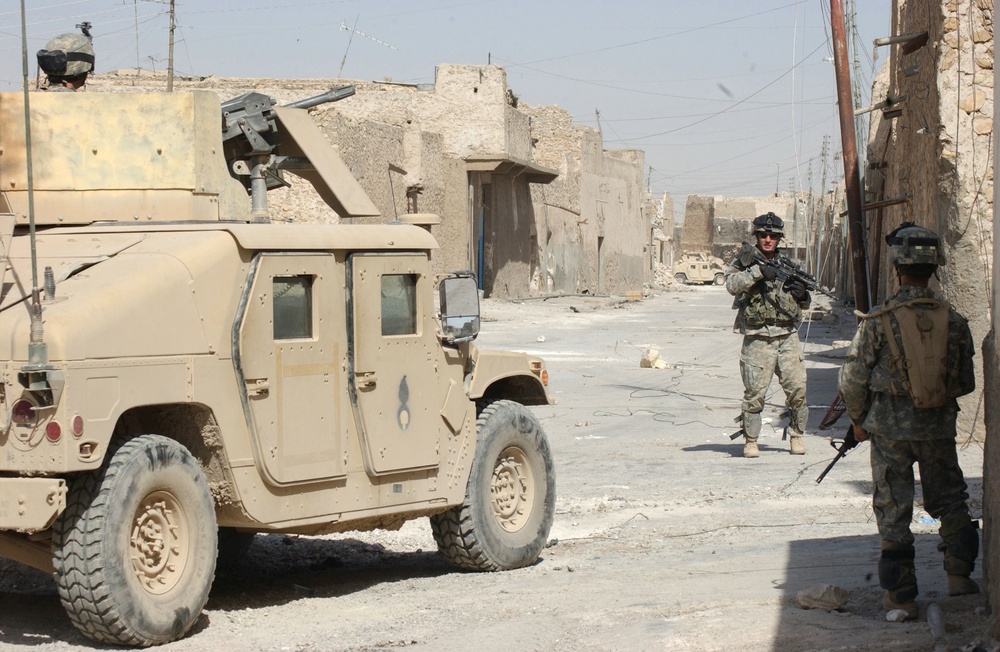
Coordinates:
column 699, row 267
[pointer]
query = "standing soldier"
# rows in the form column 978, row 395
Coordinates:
column 768, row 316
column 66, row 61
column 909, row 360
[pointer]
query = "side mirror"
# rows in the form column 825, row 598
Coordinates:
column 459, row 296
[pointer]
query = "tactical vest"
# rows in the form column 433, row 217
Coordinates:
column 922, row 365
column 765, row 303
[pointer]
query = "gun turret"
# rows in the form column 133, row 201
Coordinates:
column 251, row 115
column 251, row 139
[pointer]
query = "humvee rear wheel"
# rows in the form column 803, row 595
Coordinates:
column 680, row 278
column 720, row 279
column 134, row 552
column 510, row 499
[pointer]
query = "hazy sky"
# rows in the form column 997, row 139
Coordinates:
column 727, row 97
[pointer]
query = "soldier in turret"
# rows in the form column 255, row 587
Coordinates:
column 768, row 315
column 66, row 61
column 909, row 360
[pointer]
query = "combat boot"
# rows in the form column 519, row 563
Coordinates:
column 798, row 447
column 750, row 448
column 890, row 604
column 961, row 585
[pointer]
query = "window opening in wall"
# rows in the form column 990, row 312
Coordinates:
column 399, row 304
column 600, row 264
column 484, row 219
column 292, row 306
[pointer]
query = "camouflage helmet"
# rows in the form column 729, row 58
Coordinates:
column 67, row 55
column 910, row 244
column 768, row 223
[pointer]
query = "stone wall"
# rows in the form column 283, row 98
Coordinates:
column 593, row 233
column 720, row 225
column 699, row 224
column 936, row 154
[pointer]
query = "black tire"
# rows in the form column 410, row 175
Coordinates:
column 135, row 550
column 680, row 278
column 509, row 503
column 720, row 278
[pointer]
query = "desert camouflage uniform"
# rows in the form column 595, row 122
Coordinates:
column 901, row 435
column 770, row 345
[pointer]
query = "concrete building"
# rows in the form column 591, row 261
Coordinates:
column 594, row 222
column 463, row 149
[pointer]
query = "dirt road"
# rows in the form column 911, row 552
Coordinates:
column 664, row 539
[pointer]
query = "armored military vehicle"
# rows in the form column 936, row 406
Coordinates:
column 177, row 373
column 699, row 267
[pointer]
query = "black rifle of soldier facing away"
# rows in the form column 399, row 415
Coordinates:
column 784, row 268
column 849, row 443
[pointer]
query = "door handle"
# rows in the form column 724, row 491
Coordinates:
column 365, row 379
column 258, row 386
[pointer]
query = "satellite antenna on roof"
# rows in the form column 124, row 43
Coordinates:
column 353, row 31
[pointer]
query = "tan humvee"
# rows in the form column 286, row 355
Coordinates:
column 699, row 267
column 188, row 374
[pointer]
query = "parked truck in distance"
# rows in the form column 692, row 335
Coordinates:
column 177, row 373
column 699, row 267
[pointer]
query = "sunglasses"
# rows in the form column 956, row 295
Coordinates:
column 768, row 236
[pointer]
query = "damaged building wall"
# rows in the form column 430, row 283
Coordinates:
column 934, row 154
column 592, row 232
column 698, row 232
column 720, row 225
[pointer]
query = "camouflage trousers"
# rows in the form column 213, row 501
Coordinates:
column 762, row 358
column 945, row 498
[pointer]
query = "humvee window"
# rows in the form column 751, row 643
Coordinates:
column 399, row 304
column 292, row 307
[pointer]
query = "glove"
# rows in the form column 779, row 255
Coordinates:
column 796, row 288
column 768, row 272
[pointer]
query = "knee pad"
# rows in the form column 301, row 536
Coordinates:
column 751, row 424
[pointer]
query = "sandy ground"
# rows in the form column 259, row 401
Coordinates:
column 664, row 537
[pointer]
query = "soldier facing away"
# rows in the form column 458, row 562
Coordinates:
column 768, row 314
column 909, row 360
column 66, row 61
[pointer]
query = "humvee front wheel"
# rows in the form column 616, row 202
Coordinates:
column 510, row 499
column 134, row 552
column 680, row 278
column 720, row 279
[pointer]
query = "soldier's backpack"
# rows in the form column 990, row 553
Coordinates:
column 923, row 363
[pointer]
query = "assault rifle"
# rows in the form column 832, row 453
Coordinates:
column 784, row 268
column 849, row 443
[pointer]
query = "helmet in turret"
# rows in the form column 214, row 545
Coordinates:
column 910, row 244
column 768, row 223
column 67, row 55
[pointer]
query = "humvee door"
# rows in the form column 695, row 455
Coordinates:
column 397, row 384
column 290, row 342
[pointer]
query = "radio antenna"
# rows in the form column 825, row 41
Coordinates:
column 353, row 31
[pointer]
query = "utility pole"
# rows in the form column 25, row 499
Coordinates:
column 821, row 226
column 170, row 52
column 810, row 221
column 848, row 140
